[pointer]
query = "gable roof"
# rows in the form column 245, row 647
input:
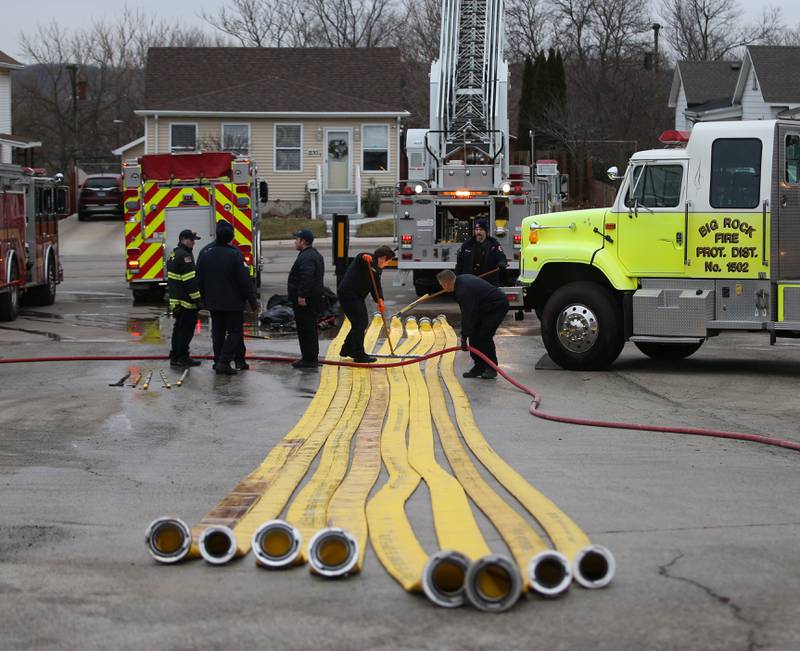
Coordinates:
column 708, row 81
column 273, row 80
column 7, row 62
column 778, row 72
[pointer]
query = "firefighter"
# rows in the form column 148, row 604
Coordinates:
column 483, row 308
column 225, row 287
column 480, row 254
column 305, row 288
column 355, row 285
column 184, row 298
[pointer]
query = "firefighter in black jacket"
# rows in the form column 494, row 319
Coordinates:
column 184, row 298
column 483, row 308
column 355, row 285
column 480, row 254
column 305, row 287
column 225, row 287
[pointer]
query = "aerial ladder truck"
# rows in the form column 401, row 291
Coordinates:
column 458, row 169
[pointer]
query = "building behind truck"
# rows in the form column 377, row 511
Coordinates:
column 164, row 194
column 701, row 240
column 31, row 204
column 458, row 168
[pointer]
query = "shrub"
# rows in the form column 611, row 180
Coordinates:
column 371, row 203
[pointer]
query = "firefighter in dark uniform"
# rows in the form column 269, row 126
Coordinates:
column 305, row 288
column 483, row 308
column 480, row 254
column 184, row 298
column 225, row 287
column 355, row 285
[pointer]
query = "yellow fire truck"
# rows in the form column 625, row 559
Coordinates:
column 166, row 193
column 701, row 239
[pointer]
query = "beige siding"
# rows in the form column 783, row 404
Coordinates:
column 286, row 186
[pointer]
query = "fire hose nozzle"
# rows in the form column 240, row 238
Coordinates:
column 443, row 578
column 276, row 544
column 493, row 583
column 217, row 544
column 332, row 552
column 594, row 566
column 549, row 573
column 168, row 539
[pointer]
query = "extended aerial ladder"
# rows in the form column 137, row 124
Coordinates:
column 458, row 169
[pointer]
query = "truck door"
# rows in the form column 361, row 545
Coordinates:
column 651, row 221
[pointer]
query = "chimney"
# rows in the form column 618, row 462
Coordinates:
column 656, row 28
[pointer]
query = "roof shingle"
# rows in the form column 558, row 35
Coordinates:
column 237, row 79
column 705, row 81
column 778, row 72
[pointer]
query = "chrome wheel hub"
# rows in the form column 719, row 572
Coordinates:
column 577, row 328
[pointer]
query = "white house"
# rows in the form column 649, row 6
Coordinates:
column 7, row 140
column 763, row 86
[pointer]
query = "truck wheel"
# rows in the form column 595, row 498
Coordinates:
column 582, row 327
column 424, row 283
column 45, row 294
column 9, row 300
column 667, row 351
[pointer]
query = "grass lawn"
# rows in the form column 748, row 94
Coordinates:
column 377, row 228
column 281, row 228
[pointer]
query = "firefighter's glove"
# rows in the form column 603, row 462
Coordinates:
column 503, row 264
column 464, row 345
column 381, row 306
column 367, row 258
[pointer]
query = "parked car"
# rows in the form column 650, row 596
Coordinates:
column 101, row 194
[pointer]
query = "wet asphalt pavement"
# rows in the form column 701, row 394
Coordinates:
column 705, row 531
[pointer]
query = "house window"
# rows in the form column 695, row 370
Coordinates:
column 182, row 137
column 735, row 173
column 655, row 186
column 793, row 159
column 375, row 148
column 288, row 147
column 236, row 138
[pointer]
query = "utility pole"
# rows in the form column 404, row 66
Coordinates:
column 72, row 69
column 656, row 29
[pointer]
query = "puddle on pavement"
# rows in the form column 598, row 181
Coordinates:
column 50, row 335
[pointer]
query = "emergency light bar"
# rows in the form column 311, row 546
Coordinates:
column 674, row 138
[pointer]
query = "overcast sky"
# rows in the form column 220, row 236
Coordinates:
column 25, row 15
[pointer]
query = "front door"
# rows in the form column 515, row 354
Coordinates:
column 337, row 158
column 651, row 221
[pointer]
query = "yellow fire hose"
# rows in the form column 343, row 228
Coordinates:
column 276, row 543
column 487, row 587
column 592, row 566
column 339, row 548
column 169, row 539
column 390, row 532
column 307, row 513
column 460, row 538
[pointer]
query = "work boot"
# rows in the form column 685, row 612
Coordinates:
column 243, row 366
column 192, row 362
column 489, row 374
column 363, row 358
column 302, row 363
column 223, row 368
column 178, row 363
column 475, row 371
column 345, row 352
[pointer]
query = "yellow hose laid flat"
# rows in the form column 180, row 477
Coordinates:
column 390, row 531
column 567, row 537
column 456, row 528
column 346, row 518
column 248, row 491
column 308, row 510
column 282, row 486
column 521, row 538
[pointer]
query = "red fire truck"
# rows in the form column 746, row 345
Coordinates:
column 31, row 204
column 163, row 194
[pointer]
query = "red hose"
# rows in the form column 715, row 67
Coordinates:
column 533, row 409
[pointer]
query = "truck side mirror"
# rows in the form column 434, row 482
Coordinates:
column 263, row 191
column 613, row 173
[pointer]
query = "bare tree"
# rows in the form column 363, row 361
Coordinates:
column 573, row 23
column 528, row 27
column 618, row 29
column 417, row 34
column 257, row 23
column 710, row 30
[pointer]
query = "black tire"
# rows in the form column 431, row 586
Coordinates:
column 661, row 351
column 9, row 300
column 594, row 337
column 425, row 283
column 82, row 217
column 45, row 294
